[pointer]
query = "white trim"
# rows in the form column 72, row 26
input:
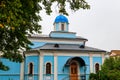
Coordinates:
column 31, row 54
column 30, row 78
column 91, row 62
column 60, row 41
column 65, row 53
column 72, row 54
column 54, row 27
column 55, row 67
column 67, row 27
column 22, row 71
column 59, row 25
column 41, row 67
column 98, row 54
column 103, row 57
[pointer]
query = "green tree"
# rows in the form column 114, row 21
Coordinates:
column 110, row 70
column 19, row 18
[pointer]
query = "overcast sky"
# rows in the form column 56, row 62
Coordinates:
column 100, row 25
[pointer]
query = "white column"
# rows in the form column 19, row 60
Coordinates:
column 103, row 57
column 59, row 26
column 91, row 63
column 22, row 71
column 55, row 67
column 41, row 66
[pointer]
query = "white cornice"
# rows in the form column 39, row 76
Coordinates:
column 58, row 41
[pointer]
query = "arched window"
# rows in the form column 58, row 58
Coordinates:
column 48, row 68
column 62, row 27
column 97, row 68
column 30, row 69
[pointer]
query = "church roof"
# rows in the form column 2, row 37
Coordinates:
column 70, row 47
column 61, row 18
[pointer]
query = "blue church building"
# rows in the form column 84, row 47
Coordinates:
column 61, row 55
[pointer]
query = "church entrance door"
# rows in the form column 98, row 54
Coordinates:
column 74, row 71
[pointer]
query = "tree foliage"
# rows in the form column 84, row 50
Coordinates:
column 19, row 18
column 110, row 70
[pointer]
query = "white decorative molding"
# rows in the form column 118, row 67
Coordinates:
column 96, row 54
column 65, row 53
column 103, row 57
column 91, row 62
column 59, row 26
column 22, row 71
column 72, row 54
column 41, row 66
column 54, row 27
column 56, row 41
column 55, row 66
column 32, row 53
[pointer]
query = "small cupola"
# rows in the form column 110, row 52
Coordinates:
column 61, row 28
column 61, row 23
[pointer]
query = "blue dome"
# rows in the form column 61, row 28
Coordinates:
column 61, row 18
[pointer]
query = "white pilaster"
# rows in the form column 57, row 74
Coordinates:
column 22, row 71
column 55, row 67
column 91, row 63
column 41, row 66
column 59, row 26
column 103, row 57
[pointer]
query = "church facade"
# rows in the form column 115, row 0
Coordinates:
column 61, row 55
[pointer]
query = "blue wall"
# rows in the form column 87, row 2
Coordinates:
column 97, row 60
column 48, row 59
column 57, row 27
column 13, row 73
column 10, row 77
column 35, row 61
column 87, row 62
column 63, row 72
column 63, row 35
